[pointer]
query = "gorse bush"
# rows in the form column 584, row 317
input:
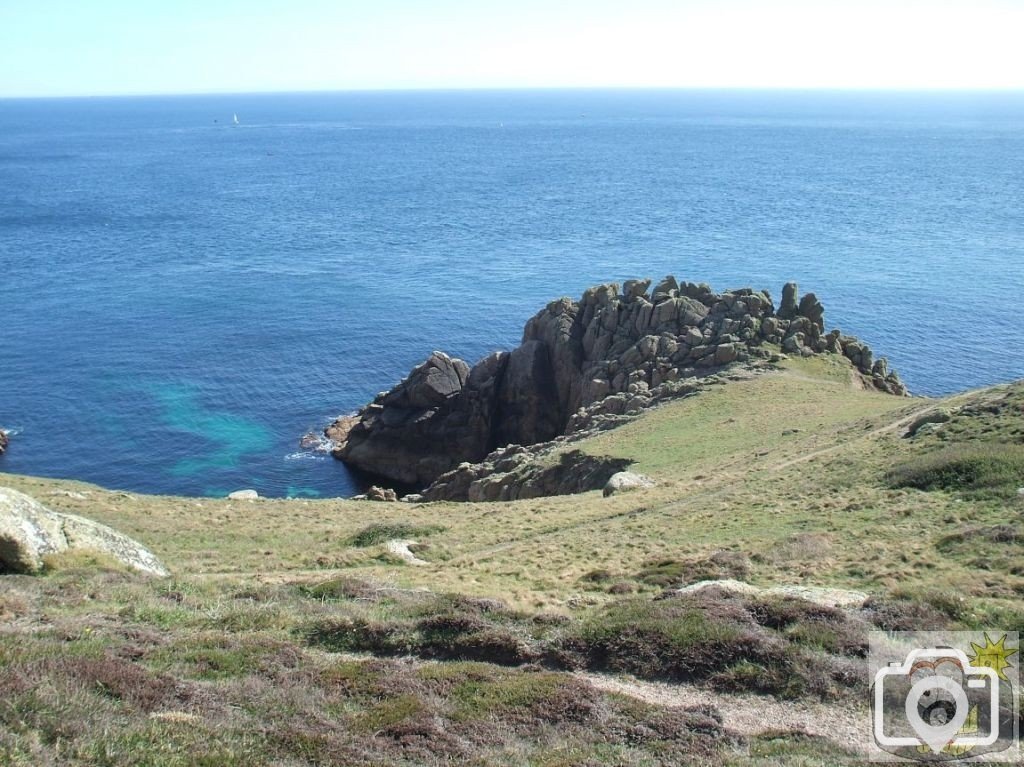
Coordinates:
column 373, row 534
column 982, row 469
column 666, row 573
column 341, row 588
column 443, row 637
column 786, row 648
column 990, row 420
column 783, row 647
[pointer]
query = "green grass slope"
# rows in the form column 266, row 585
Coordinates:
column 289, row 634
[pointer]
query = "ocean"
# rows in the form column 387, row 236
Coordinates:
column 183, row 298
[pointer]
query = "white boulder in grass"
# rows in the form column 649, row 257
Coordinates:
column 29, row 531
column 626, row 480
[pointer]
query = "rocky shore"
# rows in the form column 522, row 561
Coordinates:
column 582, row 366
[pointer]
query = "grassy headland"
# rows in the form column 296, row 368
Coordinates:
column 290, row 635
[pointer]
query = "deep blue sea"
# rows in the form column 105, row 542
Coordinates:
column 182, row 298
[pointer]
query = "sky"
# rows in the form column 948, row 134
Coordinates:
column 109, row 47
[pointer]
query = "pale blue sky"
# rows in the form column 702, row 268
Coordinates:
column 97, row 47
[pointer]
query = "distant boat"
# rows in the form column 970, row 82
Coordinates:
column 235, row 118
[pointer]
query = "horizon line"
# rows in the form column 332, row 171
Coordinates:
column 530, row 88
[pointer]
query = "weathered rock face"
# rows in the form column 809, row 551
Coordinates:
column 430, row 422
column 29, row 531
column 4, row 441
column 515, row 472
column 547, row 468
column 609, row 344
column 788, row 309
column 528, row 405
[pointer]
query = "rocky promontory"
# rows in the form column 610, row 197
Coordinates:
column 582, row 365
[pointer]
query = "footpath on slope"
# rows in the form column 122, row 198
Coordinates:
column 711, row 488
column 750, row 715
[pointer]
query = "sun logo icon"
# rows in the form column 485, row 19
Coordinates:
column 993, row 655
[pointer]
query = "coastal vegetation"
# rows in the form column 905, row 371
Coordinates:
column 559, row 630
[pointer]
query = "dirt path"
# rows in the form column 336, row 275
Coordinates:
column 849, row 726
column 901, row 423
column 745, row 714
column 275, row 577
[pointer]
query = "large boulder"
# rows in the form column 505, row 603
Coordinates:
column 625, row 481
column 426, row 425
column 29, row 531
column 931, row 418
column 811, row 308
column 430, row 385
column 667, row 288
column 4, row 441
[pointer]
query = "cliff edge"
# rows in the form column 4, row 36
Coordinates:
column 632, row 347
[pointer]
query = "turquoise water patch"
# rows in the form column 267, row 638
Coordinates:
column 301, row 492
column 231, row 437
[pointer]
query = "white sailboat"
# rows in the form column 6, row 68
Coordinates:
column 234, row 118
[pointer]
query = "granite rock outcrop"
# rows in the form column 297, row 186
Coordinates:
column 30, row 531
column 516, row 472
column 630, row 347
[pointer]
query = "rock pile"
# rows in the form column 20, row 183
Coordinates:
column 381, row 494
column 621, row 350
